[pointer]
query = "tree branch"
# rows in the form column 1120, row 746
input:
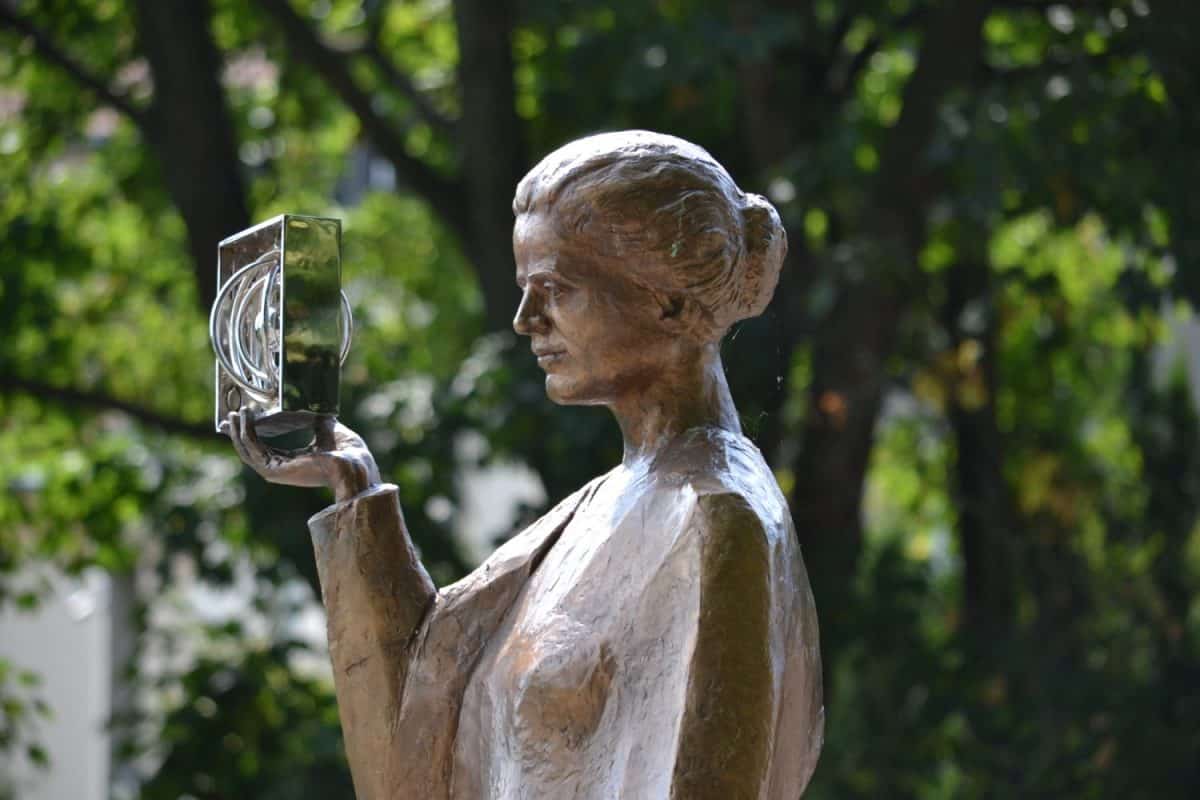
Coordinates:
column 45, row 46
column 1042, row 5
column 842, row 80
column 1056, row 65
column 436, row 119
column 105, row 402
column 837, row 35
column 844, row 75
column 442, row 194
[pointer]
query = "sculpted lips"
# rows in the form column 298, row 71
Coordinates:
column 548, row 355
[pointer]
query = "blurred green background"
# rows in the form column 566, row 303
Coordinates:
column 972, row 383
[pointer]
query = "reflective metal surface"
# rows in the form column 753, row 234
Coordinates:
column 280, row 325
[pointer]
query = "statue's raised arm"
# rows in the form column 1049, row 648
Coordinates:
column 652, row 636
column 375, row 590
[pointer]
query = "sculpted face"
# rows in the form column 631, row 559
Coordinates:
column 598, row 335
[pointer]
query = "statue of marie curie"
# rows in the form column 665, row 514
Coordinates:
column 653, row 636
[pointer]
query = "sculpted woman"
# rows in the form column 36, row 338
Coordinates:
column 653, row 636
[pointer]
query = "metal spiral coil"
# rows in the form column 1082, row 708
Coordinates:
column 248, row 338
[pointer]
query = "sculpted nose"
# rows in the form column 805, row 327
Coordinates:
column 529, row 315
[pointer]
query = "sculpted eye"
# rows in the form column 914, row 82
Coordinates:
column 552, row 289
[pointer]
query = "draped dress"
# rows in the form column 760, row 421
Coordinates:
column 652, row 636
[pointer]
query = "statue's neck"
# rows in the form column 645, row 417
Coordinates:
column 695, row 395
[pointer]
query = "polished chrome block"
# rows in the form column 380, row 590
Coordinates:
column 280, row 325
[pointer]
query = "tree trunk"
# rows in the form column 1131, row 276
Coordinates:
column 851, row 348
column 191, row 130
column 986, row 522
column 771, row 128
column 492, row 147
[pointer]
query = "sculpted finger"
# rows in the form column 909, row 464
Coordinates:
column 235, row 431
column 235, row 436
column 264, row 454
column 326, row 426
column 239, row 441
column 249, row 432
column 256, row 454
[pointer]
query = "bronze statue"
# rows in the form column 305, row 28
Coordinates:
column 653, row 636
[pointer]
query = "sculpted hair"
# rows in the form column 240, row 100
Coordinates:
column 672, row 214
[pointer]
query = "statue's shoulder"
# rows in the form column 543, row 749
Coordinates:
column 735, row 535
column 727, row 475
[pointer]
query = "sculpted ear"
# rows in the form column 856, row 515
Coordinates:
column 670, row 306
column 676, row 312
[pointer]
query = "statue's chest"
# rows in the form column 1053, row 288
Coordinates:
column 551, row 669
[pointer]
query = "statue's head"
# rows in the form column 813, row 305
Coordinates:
column 636, row 251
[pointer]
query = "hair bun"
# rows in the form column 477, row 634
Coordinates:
column 765, row 246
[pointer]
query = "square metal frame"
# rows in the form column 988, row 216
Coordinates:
column 310, row 324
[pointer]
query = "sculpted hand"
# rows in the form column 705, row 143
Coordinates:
column 338, row 458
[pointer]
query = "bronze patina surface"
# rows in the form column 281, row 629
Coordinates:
column 653, row 636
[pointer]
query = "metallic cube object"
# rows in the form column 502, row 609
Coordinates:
column 280, row 325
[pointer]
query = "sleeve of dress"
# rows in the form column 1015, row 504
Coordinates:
column 728, row 719
column 376, row 595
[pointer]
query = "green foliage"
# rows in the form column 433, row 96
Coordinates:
column 253, row 723
column 1061, row 182
column 21, row 706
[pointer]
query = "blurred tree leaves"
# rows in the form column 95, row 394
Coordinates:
column 1015, row 615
